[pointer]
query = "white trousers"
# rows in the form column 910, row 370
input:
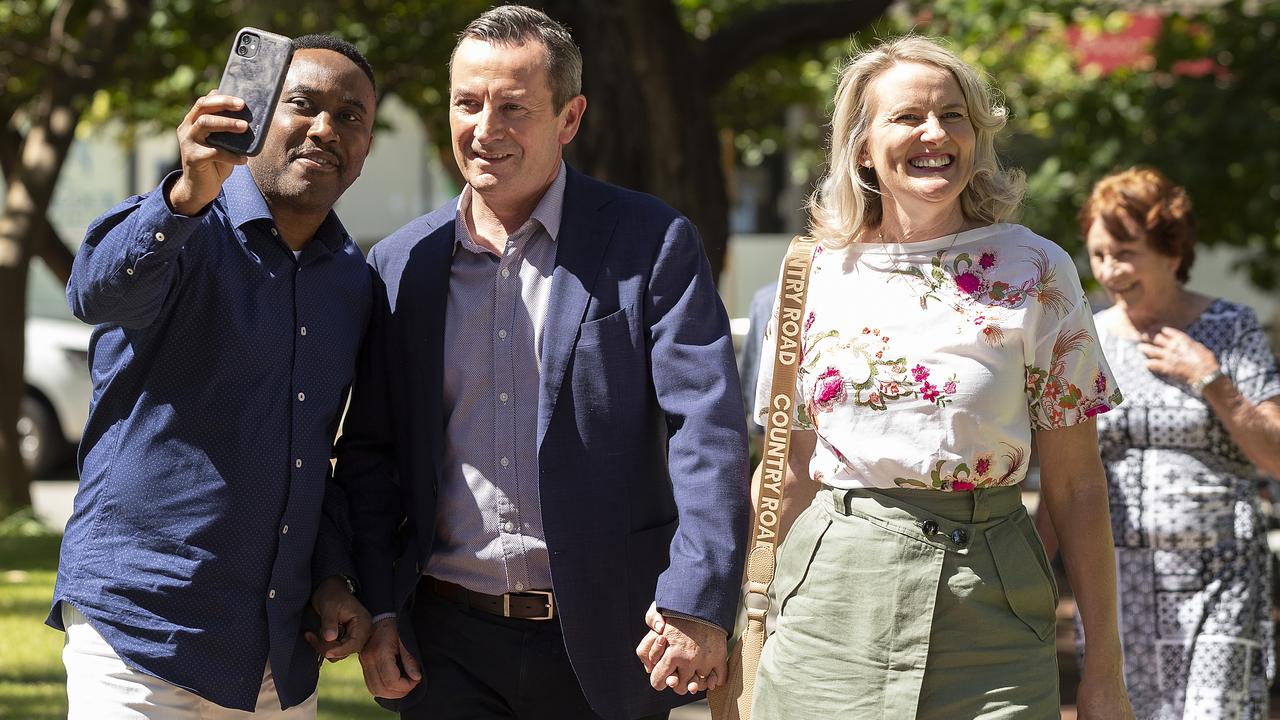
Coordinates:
column 100, row 686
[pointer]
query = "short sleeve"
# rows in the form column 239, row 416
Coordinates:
column 768, row 353
column 1252, row 364
column 1067, row 377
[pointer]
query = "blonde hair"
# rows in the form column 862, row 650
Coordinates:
column 848, row 196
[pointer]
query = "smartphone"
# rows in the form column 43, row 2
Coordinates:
column 255, row 73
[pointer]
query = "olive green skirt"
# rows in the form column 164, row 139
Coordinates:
column 907, row 604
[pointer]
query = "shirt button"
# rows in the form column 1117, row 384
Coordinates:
column 503, row 397
column 272, row 595
column 128, row 271
column 302, row 396
column 302, row 330
column 284, row 530
column 502, row 334
column 297, row 463
column 159, row 237
column 519, row 587
column 505, row 462
column 506, row 273
column 509, row 527
column 274, row 232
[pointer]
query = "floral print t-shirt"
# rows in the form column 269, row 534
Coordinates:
column 928, row 364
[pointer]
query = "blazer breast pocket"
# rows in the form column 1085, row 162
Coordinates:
column 602, row 330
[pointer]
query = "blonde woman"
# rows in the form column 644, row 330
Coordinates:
column 939, row 340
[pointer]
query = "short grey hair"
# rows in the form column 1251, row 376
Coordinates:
column 515, row 25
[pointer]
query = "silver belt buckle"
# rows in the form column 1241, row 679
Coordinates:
column 545, row 594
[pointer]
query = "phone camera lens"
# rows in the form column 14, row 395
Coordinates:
column 242, row 51
column 246, row 39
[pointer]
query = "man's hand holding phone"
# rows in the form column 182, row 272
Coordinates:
column 204, row 167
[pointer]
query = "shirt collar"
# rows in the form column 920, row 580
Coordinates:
column 245, row 204
column 244, row 200
column 551, row 207
column 548, row 212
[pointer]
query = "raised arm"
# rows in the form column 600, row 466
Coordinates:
column 126, row 268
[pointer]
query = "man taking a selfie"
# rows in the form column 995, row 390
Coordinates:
column 230, row 304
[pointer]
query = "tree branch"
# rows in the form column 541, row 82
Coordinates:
column 53, row 250
column 10, row 144
column 48, row 243
column 781, row 27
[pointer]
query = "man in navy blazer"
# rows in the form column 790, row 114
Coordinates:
column 545, row 437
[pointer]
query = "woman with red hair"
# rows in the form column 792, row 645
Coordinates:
column 1182, row 456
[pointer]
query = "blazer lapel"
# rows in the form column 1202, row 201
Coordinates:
column 585, row 233
column 437, row 259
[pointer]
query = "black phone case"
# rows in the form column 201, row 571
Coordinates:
column 257, row 80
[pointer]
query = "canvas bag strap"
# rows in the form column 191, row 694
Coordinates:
column 767, row 499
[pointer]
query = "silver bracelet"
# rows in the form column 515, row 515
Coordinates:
column 1199, row 385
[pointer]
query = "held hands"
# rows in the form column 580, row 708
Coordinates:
column 204, row 167
column 685, row 655
column 344, row 623
column 1174, row 354
column 389, row 669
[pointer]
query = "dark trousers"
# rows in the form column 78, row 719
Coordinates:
column 479, row 666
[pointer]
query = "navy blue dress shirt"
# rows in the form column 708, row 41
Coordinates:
column 220, row 368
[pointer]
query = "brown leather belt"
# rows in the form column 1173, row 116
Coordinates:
column 528, row 605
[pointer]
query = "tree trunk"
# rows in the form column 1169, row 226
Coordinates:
column 639, row 73
column 82, row 62
column 27, row 196
column 14, row 490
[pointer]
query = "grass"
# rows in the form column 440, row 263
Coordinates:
column 32, row 679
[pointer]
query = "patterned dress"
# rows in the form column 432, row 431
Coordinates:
column 1192, row 559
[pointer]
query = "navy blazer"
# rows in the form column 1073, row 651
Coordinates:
column 642, row 451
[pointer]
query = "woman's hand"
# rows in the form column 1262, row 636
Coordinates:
column 1174, row 354
column 682, row 654
column 1102, row 696
column 1254, row 428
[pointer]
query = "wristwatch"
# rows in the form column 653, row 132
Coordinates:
column 1199, row 385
